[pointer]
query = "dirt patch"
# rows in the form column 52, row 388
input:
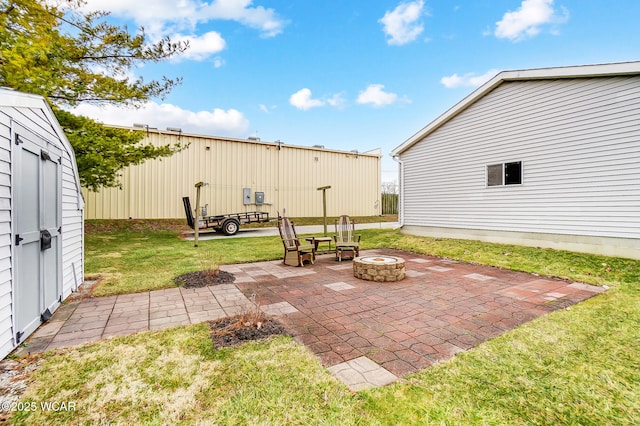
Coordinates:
column 97, row 226
column 14, row 377
column 204, row 278
column 85, row 289
column 232, row 331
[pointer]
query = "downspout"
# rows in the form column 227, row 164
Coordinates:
column 279, row 181
column 397, row 159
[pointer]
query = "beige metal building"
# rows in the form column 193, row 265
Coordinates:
column 238, row 170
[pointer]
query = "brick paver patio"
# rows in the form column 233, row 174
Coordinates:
column 442, row 308
column 367, row 333
column 98, row 318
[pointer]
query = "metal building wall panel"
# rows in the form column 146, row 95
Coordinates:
column 288, row 175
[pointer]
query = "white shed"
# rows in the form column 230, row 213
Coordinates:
column 41, row 217
column 543, row 157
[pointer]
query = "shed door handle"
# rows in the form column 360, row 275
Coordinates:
column 45, row 240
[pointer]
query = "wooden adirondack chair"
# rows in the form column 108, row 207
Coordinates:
column 347, row 242
column 295, row 251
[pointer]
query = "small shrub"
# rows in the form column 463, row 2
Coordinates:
column 210, row 263
column 252, row 315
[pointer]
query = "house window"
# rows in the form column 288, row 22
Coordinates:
column 504, row 174
column 494, row 175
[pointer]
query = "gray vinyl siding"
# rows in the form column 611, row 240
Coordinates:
column 6, row 318
column 579, row 143
column 36, row 119
column 72, row 228
column 72, row 214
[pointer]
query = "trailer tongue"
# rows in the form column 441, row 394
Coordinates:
column 227, row 224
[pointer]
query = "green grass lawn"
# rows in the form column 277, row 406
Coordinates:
column 133, row 261
column 134, row 256
column 577, row 366
column 130, row 262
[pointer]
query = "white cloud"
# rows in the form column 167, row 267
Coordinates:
column 162, row 18
column 402, row 24
column 265, row 20
column 467, row 80
column 526, row 22
column 266, row 108
column 200, row 47
column 217, row 122
column 374, row 95
column 337, row 100
column 302, row 100
column 218, row 62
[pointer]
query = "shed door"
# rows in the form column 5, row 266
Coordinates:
column 37, row 218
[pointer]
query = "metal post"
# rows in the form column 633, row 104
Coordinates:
column 196, row 225
column 324, row 206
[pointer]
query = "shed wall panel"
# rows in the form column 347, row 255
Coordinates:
column 578, row 139
column 31, row 114
column 6, row 345
column 6, row 318
column 73, row 231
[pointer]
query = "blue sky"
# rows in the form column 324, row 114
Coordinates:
column 354, row 74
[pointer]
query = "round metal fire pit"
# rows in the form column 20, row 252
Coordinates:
column 379, row 268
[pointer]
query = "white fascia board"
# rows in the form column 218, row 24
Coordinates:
column 582, row 71
column 600, row 70
column 13, row 98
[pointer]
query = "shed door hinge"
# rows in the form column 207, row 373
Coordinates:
column 46, row 315
column 45, row 155
column 18, row 239
column 18, row 141
column 19, row 335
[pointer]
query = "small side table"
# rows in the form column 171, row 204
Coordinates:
column 318, row 240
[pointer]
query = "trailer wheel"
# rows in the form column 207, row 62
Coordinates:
column 230, row 227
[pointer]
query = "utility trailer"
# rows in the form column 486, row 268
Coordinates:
column 228, row 224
